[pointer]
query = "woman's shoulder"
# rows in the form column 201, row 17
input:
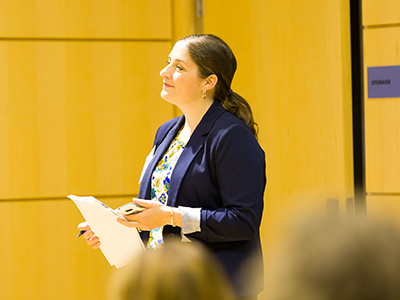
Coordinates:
column 229, row 122
column 230, row 130
column 169, row 124
column 163, row 130
column 230, row 135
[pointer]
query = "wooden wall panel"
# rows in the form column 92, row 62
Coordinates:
column 135, row 19
column 81, row 117
column 382, row 122
column 377, row 12
column 40, row 256
column 294, row 69
column 185, row 22
column 80, row 104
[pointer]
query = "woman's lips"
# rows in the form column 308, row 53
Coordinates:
column 167, row 85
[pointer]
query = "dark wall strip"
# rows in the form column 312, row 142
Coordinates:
column 358, row 106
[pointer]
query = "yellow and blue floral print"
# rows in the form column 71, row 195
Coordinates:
column 160, row 181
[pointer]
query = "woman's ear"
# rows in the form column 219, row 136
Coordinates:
column 210, row 82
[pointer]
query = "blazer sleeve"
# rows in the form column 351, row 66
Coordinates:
column 239, row 166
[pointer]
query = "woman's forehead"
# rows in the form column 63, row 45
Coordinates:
column 179, row 51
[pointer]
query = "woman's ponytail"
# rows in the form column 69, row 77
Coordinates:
column 238, row 106
column 213, row 56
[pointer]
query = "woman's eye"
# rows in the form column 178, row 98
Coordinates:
column 177, row 66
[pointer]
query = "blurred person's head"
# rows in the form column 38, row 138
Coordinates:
column 329, row 258
column 177, row 271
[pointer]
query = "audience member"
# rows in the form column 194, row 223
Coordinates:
column 334, row 259
column 177, row 271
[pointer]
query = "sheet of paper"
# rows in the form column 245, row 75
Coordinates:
column 118, row 243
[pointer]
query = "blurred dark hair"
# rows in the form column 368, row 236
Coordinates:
column 329, row 259
column 213, row 56
column 178, row 271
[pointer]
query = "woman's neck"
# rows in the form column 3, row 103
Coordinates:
column 193, row 116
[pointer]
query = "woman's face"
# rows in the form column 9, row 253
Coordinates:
column 181, row 83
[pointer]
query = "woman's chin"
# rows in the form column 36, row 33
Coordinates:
column 166, row 96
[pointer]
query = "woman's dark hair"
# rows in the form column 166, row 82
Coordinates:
column 213, row 56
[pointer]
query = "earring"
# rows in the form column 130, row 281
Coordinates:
column 204, row 94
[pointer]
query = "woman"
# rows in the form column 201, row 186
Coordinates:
column 207, row 173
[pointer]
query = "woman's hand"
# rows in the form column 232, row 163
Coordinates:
column 89, row 236
column 155, row 215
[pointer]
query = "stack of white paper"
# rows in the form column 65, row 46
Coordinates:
column 118, row 243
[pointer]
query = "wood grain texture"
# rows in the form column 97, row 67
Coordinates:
column 80, row 105
column 115, row 19
column 376, row 12
column 294, row 69
column 382, row 122
column 79, row 118
column 41, row 257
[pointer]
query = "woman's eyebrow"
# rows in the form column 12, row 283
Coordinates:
column 178, row 59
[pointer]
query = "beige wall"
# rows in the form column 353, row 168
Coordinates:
column 381, row 35
column 294, row 69
column 80, row 105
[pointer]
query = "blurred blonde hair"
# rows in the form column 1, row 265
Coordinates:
column 330, row 259
column 177, row 271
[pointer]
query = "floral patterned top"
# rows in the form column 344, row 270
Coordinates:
column 160, row 180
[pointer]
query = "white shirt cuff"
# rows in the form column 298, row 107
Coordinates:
column 190, row 219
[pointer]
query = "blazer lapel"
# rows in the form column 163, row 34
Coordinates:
column 195, row 144
column 161, row 148
column 182, row 165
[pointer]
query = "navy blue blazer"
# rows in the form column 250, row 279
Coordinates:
column 221, row 170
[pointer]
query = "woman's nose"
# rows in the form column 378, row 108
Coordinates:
column 164, row 72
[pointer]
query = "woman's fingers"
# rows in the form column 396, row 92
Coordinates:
column 91, row 239
column 96, row 245
column 94, row 242
column 144, row 203
column 155, row 215
column 131, row 224
column 89, row 236
column 84, row 226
